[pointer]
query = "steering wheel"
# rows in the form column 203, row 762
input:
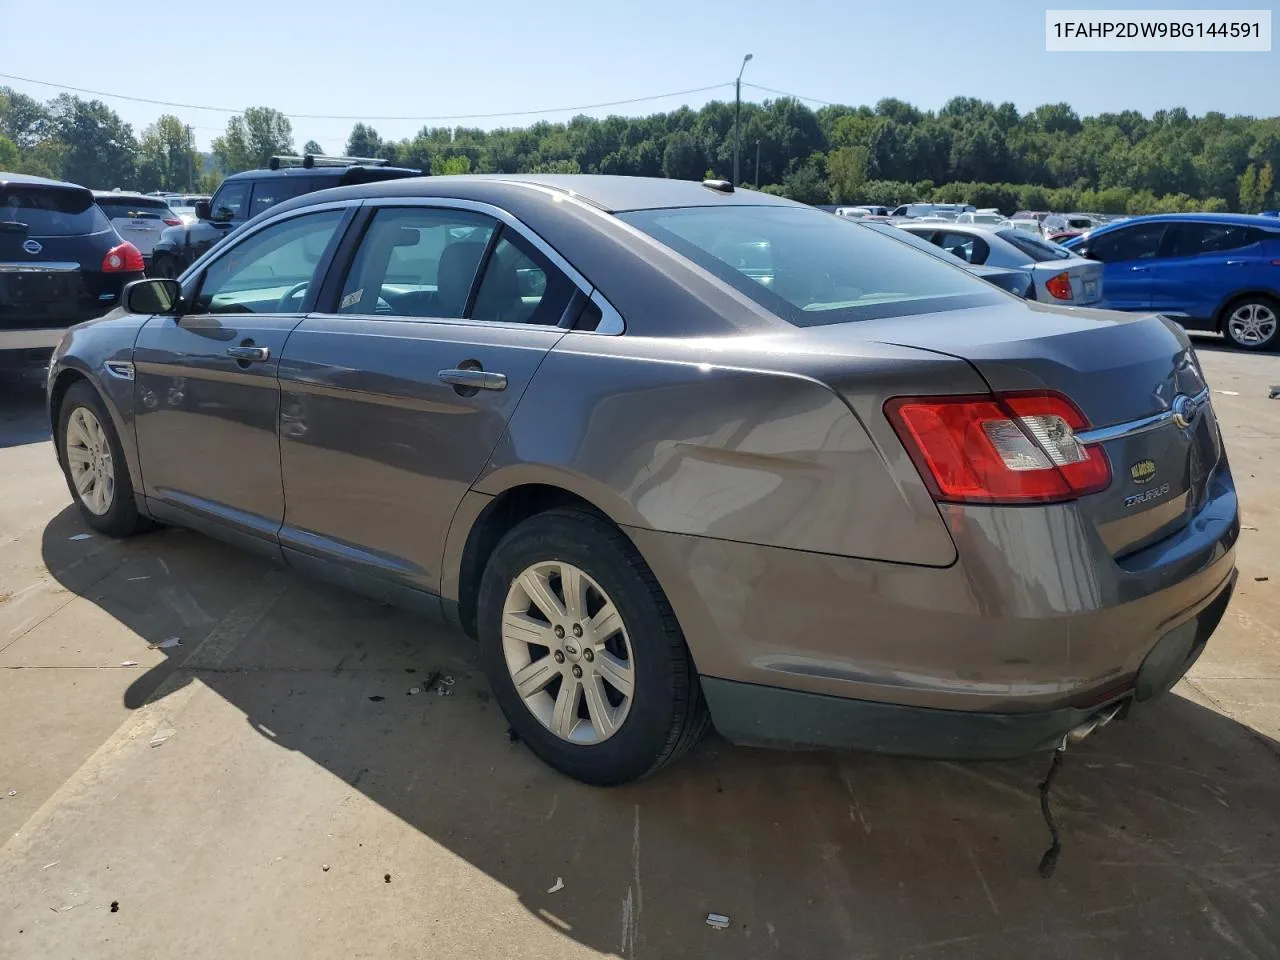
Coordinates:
column 283, row 305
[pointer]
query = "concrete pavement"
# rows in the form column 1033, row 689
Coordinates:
column 271, row 788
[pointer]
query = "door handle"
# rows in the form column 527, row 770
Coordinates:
column 249, row 354
column 475, row 379
column 1139, row 269
column 1237, row 263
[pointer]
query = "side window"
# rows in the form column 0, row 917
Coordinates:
column 1194, row 239
column 417, row 262
column 967, row 247
column 267, row 193
column 230, row 201
column 520, row 285
column 268, row 272
column 1130, row 243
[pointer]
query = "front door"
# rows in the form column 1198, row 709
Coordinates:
column 393, row 401
column 1201, row 263
column 207, row 397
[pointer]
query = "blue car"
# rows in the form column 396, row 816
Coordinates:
column 1208, row 271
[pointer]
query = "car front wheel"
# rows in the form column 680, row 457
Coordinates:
column 94, row 465
column 1252, row 323
column 583, row 651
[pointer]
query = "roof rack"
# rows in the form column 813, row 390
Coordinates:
column 309, row 160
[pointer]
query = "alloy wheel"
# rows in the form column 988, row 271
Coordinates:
column 567, row 652
column 89, row 458
column 1252, row 324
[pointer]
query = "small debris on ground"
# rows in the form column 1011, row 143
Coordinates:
column 128, row 663
column 1275, row 392
column 410, row 669
column 377, row 699
column 168, row 644
column 12, row 793
column 1261, row 579
column 80, row 536
column 1245, row 526
column 386, row 878
column 447, row 681
column 161, row 737
column 115, row 906
column 557, row 886
column 444, row 689
column 432, row 679
column 324, row 867
column 1228, row 393
column 48, row 865
column 414, row 691
column 512, row 736
column 131, row 579
column 717, row 920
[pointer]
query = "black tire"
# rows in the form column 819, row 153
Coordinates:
column 667, row 715
column 121, row 519
column 1258, row 300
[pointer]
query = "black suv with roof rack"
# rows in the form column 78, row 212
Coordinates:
column 243, row 196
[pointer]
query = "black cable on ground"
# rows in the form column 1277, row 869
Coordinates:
column 1050, row 859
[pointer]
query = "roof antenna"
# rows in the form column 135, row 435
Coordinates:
column 720, row 186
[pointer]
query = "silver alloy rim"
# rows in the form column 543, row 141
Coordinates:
column 1252, row 323
column 568, row 652
column 89, row 458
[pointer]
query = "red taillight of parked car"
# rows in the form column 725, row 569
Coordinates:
column 172, row 222
column 123, row 258
column 1059, row 287
column 1008, row 448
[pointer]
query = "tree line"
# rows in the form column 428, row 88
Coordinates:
column 969, row 151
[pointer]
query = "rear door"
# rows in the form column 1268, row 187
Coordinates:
column 394, row 398
column 53, row 239
column 1128, row 255
column 208, row 401
column 1201, row 264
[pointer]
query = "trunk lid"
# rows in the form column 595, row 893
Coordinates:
column 1119, row 370
column 1085, row 277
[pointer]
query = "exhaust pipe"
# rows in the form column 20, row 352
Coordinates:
column 1096, row 722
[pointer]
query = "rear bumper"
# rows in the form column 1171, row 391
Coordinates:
column 775, row 717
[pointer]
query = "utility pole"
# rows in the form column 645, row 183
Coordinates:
column 191, row 168
column 757, row 164
column 737, row 111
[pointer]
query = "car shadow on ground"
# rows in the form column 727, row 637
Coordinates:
column 1169, row 819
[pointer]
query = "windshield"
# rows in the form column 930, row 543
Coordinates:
column 1038, row 250
column 809, row 267
column 51, row 211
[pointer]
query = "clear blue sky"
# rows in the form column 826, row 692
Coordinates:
column 417, row 57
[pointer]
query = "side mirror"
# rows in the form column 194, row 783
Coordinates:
column 161, row 295
column 203, row 210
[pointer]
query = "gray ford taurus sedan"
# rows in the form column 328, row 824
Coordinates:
column 678, row 454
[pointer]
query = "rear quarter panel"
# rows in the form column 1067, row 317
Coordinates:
column 739, row 439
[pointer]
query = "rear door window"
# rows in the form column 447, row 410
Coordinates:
column 1139, row 242
column 1196, row 239
column 520, row 285
column 1039, row 251
column 38, row 211
column 966, row 246
column 417, row 262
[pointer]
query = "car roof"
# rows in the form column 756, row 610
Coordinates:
column 612, row 194
column 27, row 179
column 1234, row 219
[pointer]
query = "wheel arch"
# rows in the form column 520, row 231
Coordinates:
column 1234, row 297
column 495, row 506
column 67, row 377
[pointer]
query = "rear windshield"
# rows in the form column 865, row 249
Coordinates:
column 134, row 207
column 809, row 267
column 1038, row 250
column 50, row 211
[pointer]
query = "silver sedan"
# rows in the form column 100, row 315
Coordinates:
column 1061, row 276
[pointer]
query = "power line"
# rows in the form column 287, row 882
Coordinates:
column 320, row 116
column 793, row 96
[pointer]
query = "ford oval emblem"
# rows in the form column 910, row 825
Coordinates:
column 1185, row 410
column 31, row 247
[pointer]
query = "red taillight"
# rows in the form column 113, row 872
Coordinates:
column 172, row 222
column 1007, row 448
column 123, row 258
column 1059, row 287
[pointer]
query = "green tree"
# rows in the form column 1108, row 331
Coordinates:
column 8, row 153
column 1250, row 196
column 455, row 165
column 100, row 148
column 363, row 142
column 682, row 160
column 167, row 156
column 253, row 139
column 313, row 148
column 847, row 173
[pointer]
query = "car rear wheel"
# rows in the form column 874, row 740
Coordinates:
column 1252, row 323
column 583, row 651
column 94, row 465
